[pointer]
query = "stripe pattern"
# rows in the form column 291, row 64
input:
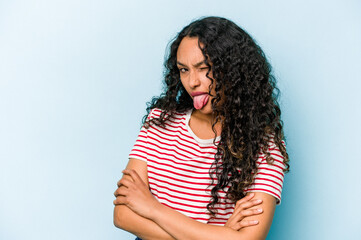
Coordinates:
column 178, row 164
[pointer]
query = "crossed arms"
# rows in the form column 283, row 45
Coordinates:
column 138, row 212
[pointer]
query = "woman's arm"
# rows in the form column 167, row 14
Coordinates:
column 127, row 220
column 146, row 229
column 137, row 197
column 182, row 227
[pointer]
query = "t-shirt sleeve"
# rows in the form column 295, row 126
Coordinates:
column 269, row 177
column 140, row 148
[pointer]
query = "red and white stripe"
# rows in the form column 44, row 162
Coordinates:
column 178, row 169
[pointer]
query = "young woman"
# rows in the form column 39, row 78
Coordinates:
column 209, row 160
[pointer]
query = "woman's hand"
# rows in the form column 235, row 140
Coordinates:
column 135, row 194
column 241, row 210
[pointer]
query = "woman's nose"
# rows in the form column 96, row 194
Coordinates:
column 194, row 80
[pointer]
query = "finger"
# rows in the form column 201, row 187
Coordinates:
column 235, row 226
column 245, row 206
column 251, row 212
column 135, row 176
column 127, row 172
column 250, row 204
column 248, row 223
column 119, row 184
column 125, row 182
column 242, row 213
column 120, row 200
column 245, row 199
column 121, row 192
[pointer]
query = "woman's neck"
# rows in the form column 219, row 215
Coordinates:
column 208, row 120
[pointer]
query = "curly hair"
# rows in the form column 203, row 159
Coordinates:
column 250, row 115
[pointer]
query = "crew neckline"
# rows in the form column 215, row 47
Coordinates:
column 199, row 140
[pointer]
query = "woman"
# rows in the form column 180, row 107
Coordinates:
column 209, row 160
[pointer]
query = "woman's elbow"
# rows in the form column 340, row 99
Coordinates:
column 118, row 217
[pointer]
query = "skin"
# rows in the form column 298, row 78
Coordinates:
column 125, row 218
column 138, row 212
column 192, row 71
column 129, row 220
column 138, row 198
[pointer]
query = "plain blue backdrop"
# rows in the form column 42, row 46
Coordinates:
column 75, row 77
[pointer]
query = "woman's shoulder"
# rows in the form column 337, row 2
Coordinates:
column 275, row 154
column 156, row 112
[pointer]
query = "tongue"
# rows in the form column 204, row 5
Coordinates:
column 200, row 100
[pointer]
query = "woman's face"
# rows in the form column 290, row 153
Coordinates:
column 192, row 71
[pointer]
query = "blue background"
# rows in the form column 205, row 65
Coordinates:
column 75, row 77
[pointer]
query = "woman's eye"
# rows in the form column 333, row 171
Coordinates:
column 182, row 70
column 204, row 68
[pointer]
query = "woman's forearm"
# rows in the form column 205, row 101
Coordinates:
column 135, row 194
column 146, row 229
column 130, row 221
column 181, row 227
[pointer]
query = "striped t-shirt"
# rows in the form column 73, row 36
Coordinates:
column 178, row 165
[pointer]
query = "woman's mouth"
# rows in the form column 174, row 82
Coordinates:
column 200, row 100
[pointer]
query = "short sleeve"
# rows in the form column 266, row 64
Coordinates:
column 269, row 177
column 140, row 148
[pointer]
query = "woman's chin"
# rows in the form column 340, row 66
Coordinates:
column 206, row 110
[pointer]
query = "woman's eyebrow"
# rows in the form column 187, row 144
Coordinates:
column 195, row 65
column 179, row 63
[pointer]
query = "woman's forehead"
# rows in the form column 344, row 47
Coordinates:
column 189, row 52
